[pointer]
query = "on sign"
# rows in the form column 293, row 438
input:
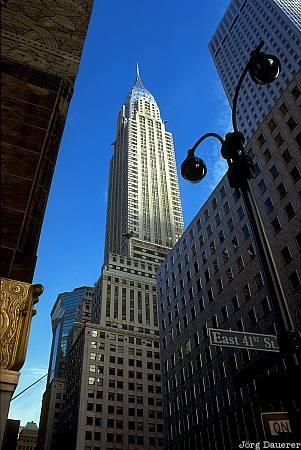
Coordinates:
column 275, row 423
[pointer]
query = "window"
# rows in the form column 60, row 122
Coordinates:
column 225, row 254
column 226, row 207
column 286, row 255
column 245, row 231
column 296, row 92
column 276, row 225
column 267, row 155
column 235, row 243
column 279, row 140
column 298, row 138
column 262, row 186
column 269, row 204
column 221, row 236
column 222, row 192
column 229, row 275
column 274, row 171
column 294, row 280
column 230, row 225
column 214, row 203
column 295, row 174
column 240, row 263
column 272, row 125
column 258, row 280
column 291, row 123
column 246, row 292
column 209, row 230
column 281, row 189
column 261, row 140
column 88, row 435
column 217, row 219
column 290, row 211
column 283, row 109
column 286, row 155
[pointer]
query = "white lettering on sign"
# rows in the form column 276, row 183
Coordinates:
column 279, row 426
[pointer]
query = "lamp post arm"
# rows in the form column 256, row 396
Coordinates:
column 201, row 139
column 241, row 79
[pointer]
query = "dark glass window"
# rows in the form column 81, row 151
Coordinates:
column 276, row 225
column 281, row 189
column 290, row 211
column 262, row 186
column 269, row 204
column 286, row 155
column 274, row 171
column 267, row 155
column 286, row 255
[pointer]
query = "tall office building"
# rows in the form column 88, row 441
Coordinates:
column 69, row 311
column 244, row 24
column 113, row 373
column 143, row 199
column 214, row 396
column 63, row 316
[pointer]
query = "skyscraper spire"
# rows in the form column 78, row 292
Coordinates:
column 137, row 70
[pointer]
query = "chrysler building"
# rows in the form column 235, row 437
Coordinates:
column 143, row 203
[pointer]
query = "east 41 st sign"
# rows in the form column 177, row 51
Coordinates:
column 241, row 339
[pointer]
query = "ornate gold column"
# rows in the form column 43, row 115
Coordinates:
column 16, row 311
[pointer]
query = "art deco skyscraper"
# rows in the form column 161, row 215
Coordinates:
column 244, row 24
column 144, row 201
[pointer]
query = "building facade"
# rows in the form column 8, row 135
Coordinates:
column 244, row 24
column 143, row 200
column 213, row 396
column 28, row 435
column 63, row 316
column 113, row 371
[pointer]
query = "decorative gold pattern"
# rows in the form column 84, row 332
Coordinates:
column 46, row 34
column 16, row 310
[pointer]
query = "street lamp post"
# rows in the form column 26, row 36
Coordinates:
column 263, row 69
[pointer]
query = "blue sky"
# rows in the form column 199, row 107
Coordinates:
column 170, row 41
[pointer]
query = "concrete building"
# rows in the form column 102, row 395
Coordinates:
column 53, row 402
column 244, row 24
column 69, row 312
column 113, row 393
column 212, row 279
column 27, row 439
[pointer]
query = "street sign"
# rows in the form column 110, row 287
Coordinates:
column 275, row 424
column 241, row 339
